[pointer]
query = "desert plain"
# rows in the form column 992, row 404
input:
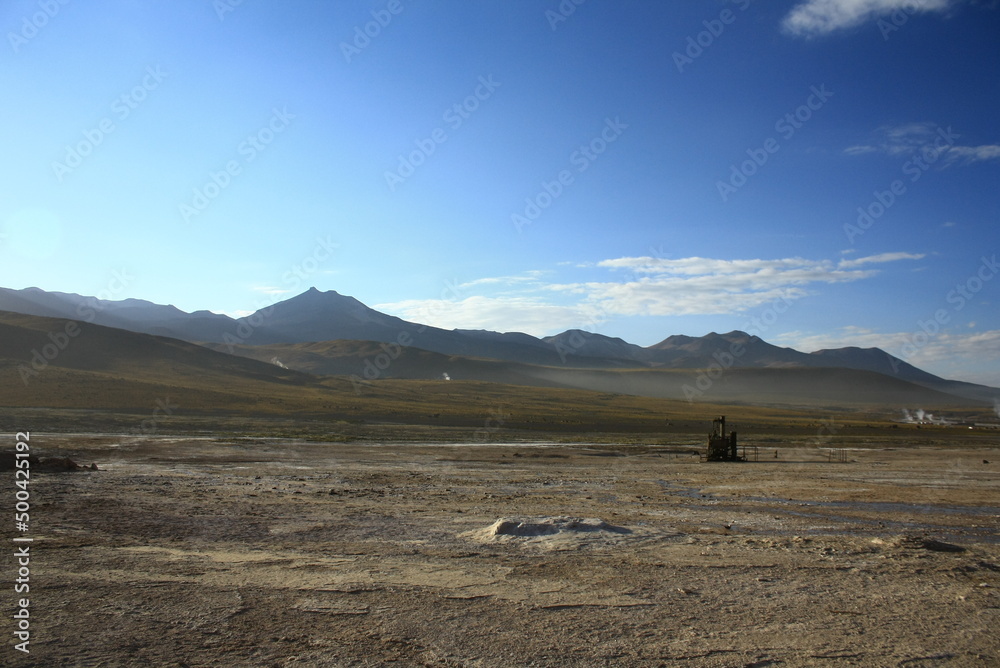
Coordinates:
column 435, row 547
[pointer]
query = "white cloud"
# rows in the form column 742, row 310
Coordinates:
column 506, row 314
column 696, row 266
column 970, row 154
column 650, row 286
column 860, row 150
column 819, row 17
column 881, row 257
column 699, row 295
column 532, row 276
column 269, row 290
column 924, row 140
column 699, row 286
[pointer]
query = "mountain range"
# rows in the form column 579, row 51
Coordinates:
column 327, row 333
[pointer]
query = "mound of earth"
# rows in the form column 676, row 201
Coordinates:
column 551, row 532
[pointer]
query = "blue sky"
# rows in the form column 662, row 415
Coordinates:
column 818, row 172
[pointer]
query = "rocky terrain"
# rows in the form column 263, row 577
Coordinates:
column 205, row 551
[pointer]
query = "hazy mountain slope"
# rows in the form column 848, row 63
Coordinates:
column 327, row 316
column 308, row 317
column 33, row 345
column 114, row 371
column 134, row 315
column 369, row 361
column 736, row 349
column 786, row 386
column 316, row 316
column 365, row 361
column 871, row 359
column 158, row 381
column 33, row 301
column 589, row 344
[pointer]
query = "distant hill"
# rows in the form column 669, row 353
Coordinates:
column 134, row 315
column 309, row 317
column 577, row 342
column 367, row 361
column 140, row 384
column 316, row 316
column 737, row 349
column 59, row 363
column 326, row 318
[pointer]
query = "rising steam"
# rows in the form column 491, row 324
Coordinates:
column 920, row 416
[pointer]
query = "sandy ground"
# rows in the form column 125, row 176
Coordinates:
column 205, row 552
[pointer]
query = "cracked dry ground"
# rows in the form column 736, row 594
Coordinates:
column 184, row 552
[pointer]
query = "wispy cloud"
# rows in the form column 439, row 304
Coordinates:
column 881, row 257
column 526, row 278
column 819, row 17
column 650, row 286
column 698, row 266
column 941, row 348
column 928, row 140
column 503, row 313
column 705, row 286
column 860, row 337
column 969, row 154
